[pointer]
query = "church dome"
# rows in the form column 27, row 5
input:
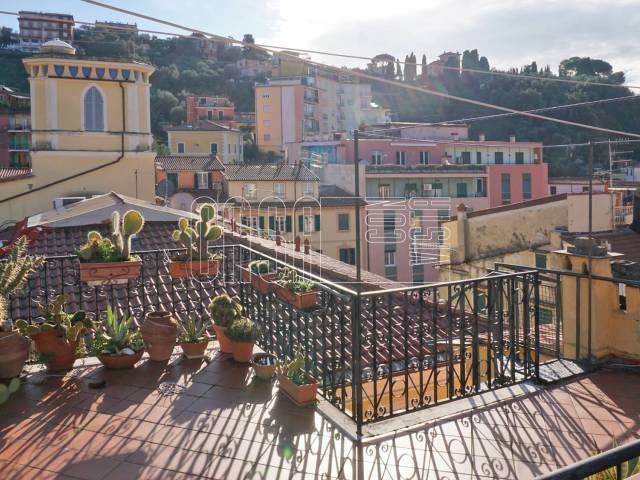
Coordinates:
column 57, row 46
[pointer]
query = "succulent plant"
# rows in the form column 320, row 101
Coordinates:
column 243, row 330
column 116, row 248
column 192, row 330
column 290, row 279
column 14, row 272
column 195, row 239
column 114, row 336
column 260, row 267
column 224, row 310
column 68, row 326
column 294, row 369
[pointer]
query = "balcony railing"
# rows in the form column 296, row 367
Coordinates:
column 622, row 215
column 375, row 354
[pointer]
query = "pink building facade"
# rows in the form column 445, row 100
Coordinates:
column 215, row 109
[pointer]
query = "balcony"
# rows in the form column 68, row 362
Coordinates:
column 425, row 350
column 432, row 168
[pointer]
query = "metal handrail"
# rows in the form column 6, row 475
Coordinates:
column 522, row 268
column 598, row 463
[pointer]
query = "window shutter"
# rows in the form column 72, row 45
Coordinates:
column 300, row 224
column 210, row 175
column 272, row 223
column 288, row 223
column 261, row 223
column 317, row 223
column 195, row 180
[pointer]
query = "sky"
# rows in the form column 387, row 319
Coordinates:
column 508, row 33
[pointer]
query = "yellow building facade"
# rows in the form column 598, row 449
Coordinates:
column 91, row 131
column 207, row 138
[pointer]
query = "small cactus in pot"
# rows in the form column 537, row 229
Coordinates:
column 112, row 253
column 197, row 260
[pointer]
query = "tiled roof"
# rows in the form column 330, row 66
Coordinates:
column 285, row 172
column 191, row 163
column 624, row 241
column 9, row 174
column 334, row 196
column 207, row 125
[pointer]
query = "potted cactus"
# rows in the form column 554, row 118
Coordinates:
column 224, row 311
column 264, row 364
column 296, row 290
column 115, row 343
column 196, row 261
column 58, row 335
column 243, row 334
column 14, row 271
column 261, row 274
column 193, row 337
column 295, row 382
column 109, row 260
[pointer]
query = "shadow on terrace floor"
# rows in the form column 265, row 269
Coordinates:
column 220, row 423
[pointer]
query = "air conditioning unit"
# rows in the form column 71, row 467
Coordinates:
column 427, row 186
column 62, row 202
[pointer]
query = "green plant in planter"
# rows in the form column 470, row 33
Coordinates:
column 14, row 271
column 114, row 336
column 116, row 248
column 192, row 330
column 260, row 267
column 291, row 280
column 195, row 238
column 294, row 369
column 67, row 326
column 243, row 330
column 224, row 310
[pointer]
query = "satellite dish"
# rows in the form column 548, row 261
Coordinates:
column 165, row 188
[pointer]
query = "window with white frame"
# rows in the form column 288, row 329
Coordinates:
column 180, row 147
column 424, row 158
column 93, row 110
column 280, row 224
column 267, row 137
column 249, row 191
column 401, row 157
column 390, row 258
column 308, row 188
column 252, row 222
column 309, row 224
column 203, row 180
column 279, row 190
column 376, row 157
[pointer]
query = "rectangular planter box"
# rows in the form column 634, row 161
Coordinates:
column 262, row 283
column 110, row 272
column 302, row 301
column 193, row 268
column 301, row 395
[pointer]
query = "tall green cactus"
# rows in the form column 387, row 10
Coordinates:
column 118, row 246
column 195, row 238
column 14, row 271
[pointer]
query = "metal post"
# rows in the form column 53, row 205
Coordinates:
column 590, row 254
column 356, row 176
column 356, row 327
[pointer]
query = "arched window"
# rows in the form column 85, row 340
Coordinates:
column 93, row 111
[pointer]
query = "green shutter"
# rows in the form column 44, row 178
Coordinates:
column 210, row 175
column 288, row 223
column 300, row 224
column 317, row 223
column 343, row 255
column 261, row 223
column 272, row 222
column 195, row 180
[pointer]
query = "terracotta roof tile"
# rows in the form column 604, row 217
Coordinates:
column 191, row 163
column 285, row 172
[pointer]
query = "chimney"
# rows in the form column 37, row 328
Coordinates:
column 481, row 137
column 635, row 224
column 512, row 138
column 460, row 250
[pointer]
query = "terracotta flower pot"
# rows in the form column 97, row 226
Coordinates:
column 193, row 268
column 14, row 351
column 264, row 372
column 110, row 272
column 159, row 332
column 194, row 350
column 299, row 394
column 242, row 351
column 263, row 282
column 302, row 301
column 60, row 354
column 118, row 362
column 223, row 340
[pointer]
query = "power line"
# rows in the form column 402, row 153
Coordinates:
column 345, row 55
column 364, row 75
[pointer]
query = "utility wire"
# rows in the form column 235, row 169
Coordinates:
column 363, row 75
column 355, row 57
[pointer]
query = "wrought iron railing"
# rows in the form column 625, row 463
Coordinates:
column 375, row 354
